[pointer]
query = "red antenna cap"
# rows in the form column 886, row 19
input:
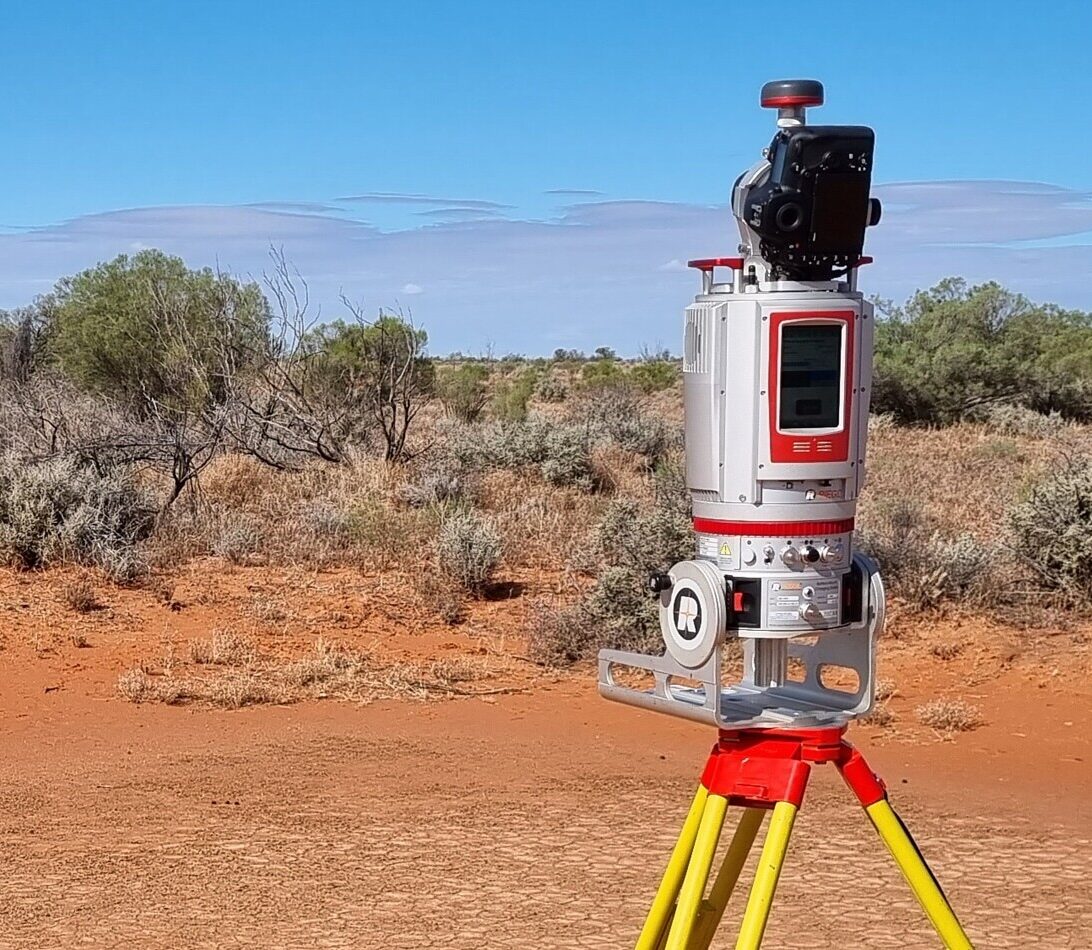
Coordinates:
column 786, row 93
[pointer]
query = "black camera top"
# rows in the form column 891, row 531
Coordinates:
column 811, row 212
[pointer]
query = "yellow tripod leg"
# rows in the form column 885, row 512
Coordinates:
column 918, row 876
column 664, row 901
column 712, row 909
column 765, row 883
column 697, row 873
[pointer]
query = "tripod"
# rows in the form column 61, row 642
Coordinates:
column 764, row 770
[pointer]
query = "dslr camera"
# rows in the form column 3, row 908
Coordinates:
column 806, row 210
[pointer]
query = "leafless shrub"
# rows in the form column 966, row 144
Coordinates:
column 322, row 390
column 326, row 662
column 879, row 715
column 440, row 595
column 949, row 715
column 559, row 636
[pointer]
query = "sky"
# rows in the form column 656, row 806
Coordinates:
column 523, row 176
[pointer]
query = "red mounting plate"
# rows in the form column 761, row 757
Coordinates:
column 708, row 263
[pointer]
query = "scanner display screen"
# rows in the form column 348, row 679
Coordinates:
column 811, row 376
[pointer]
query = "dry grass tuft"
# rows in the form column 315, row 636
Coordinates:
column 879, row 715
column 223, row 648
column 885, row 689
column 949, row 715
column 79, row 595
column 947, row 651
column 228, row 672
column 136, row 685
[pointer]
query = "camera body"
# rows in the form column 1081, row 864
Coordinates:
column 810, row 212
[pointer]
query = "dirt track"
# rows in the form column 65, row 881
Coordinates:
column 538, row 820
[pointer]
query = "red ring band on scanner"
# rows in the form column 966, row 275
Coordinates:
column 794, row 529
column 784, row 101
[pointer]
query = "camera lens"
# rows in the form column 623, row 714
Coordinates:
column 789, row 217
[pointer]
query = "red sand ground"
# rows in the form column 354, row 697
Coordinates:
column 537, row 819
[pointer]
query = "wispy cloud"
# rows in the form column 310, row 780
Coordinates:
column 395, row 198
column 574, row 192
column 602, row 272
column 458, row 214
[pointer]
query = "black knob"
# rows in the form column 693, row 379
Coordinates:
column 875, row 210
column 659, row 582
column 786, row 93
column 811, row 555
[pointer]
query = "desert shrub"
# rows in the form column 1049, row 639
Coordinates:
column 385, row 537
column 920, row 565
column 617, row 414
column 653, row 376
column 468, row 549
column 462, row 390
column 434, row 485
column 64, row 510
column 552, row 387
column 561, row 452
column 566, row 456
column 136, row 685
column 949, row 715
column 629, row 542
column 1052, row 531
column 237, row 536
column 513, row 394
column 1010, row 419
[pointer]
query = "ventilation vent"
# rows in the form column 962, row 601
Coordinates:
column 697, row 345
column 703, row 494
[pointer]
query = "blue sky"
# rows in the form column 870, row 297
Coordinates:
column 523, row 176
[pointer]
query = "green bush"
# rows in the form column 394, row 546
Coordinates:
column 64, row 511
column 463, row 390
column 147, row 328
column 653, row 376
column 1052, row 531
column 513, row 393
column 602, row 372
column 955, row 349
